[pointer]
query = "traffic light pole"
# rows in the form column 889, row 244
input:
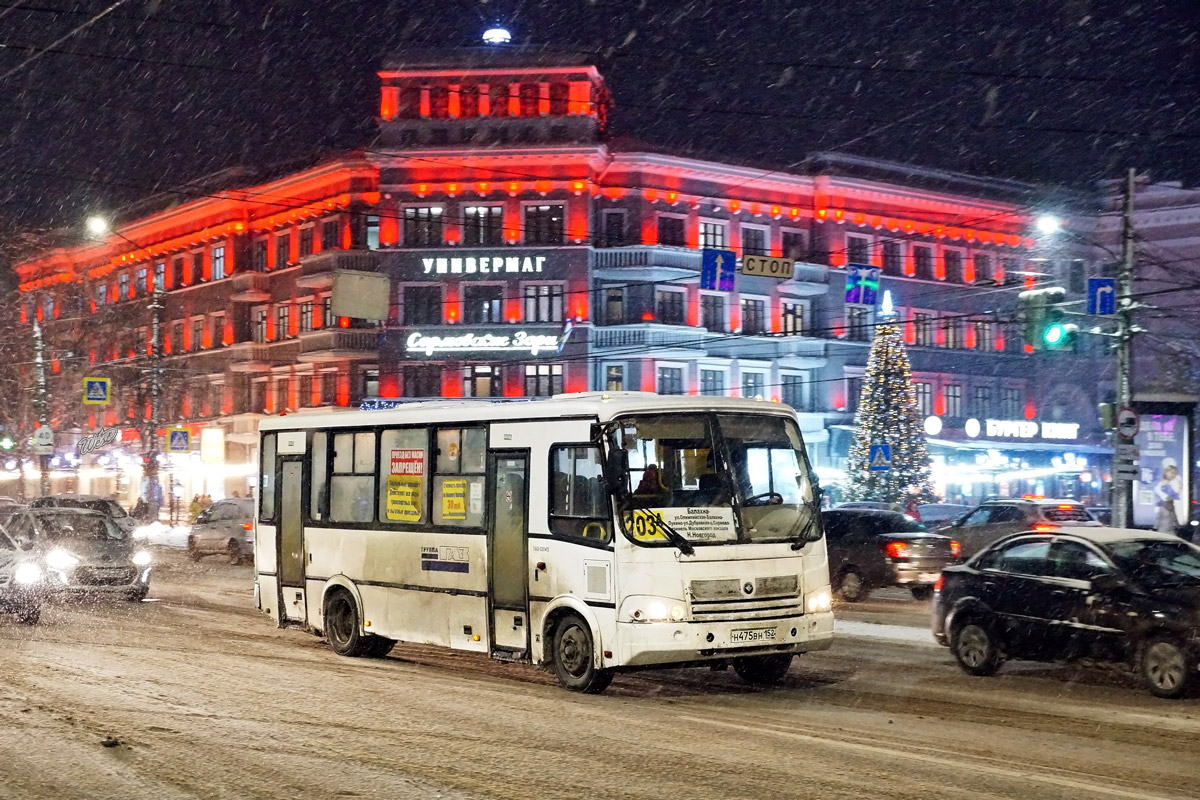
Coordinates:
column 1122, row 487
column 41, row 399
column 153, row 497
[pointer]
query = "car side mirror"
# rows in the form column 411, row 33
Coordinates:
column 25, row 544
column 1106, row 582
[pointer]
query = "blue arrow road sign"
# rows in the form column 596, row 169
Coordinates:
column 1102, row 296
column 717, row 268
column 879, row 459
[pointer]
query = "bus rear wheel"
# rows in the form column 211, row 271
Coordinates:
column 344, row 631
column 574, row 657
column 762, row 670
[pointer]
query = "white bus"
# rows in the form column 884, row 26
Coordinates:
column 589, row 533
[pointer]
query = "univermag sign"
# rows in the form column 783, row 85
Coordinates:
column 482, row 265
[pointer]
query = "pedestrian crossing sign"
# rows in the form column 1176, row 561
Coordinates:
column 880, row 458
column 97, row 391
column 179, row 440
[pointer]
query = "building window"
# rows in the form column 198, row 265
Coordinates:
column 893, row 258
column 482, row 382
column 952, row 393
column 372, row 232
column 283, row 249
column 422, row 381
column 858, row 250
column 258, row 325
column 483, row 304
column 123, row 286
column 1009, row 267
column 325, row 304
column 543, row 380
column 139, row 283
column 794, row 246
column 671, row 232
column 160, row 276
column 177, row 272
column 198, row 334
column 483, row 226
column 280, row 399
column 423, row 226
column 952, row 332
column 669, row 307
column 713, row 234
column 544, row 224
column 614, row 378
column 923, row 262
column 197, row 267
column 712, row 313
column 258, row 397
column 306, row 316
column 217, row 329
column 422, row 305
column 983, row 267
column 614, row 229
column 853, row 393
column 370, row 383
column 101, row 295
column 670, row 380
column 1010, row 403
column 258, row 255
column 754, row 241
column 304, row 396
column 712, row 382
column 983, row 335
column 922, row 329
column 283, row 320
column 754, row 316
column 856, row 324
column 752, row 384
column 953, row 260
column 543, row 302
column 218, row 263
column 793, row 318
column 177, row 337
column 498, row 94
column 329, row 234
column 614, row 306
column 982, row 401
column 923, row 394
column 328, row 388
column 792, row 391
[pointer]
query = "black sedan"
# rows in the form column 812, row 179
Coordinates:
column 870, row 549
column 1096, row 593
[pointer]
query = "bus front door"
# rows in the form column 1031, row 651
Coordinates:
column 508, row 557
column 292, row 608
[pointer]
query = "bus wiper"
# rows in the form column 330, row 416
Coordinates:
column 673, row 536
column 803, row 537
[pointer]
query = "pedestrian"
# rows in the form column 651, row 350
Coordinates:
column 205, row 502
column 1166, row 495
column 194, row 509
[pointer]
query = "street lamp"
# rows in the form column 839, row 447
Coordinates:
column 99, row 226
column 1048, row 224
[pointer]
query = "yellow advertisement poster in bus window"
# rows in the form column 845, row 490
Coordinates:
column 404, row 498
column 641, row 524
column 454, row 499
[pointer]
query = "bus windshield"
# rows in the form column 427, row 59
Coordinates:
column 714, row 478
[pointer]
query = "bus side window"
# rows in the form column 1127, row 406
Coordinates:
column 578, row 500
column 352, row 485
column 319, row 472
column 404, row 454
column 459, row 480
column 266, row 501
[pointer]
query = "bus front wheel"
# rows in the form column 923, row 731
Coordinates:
column 344, row 633
column 574, row 657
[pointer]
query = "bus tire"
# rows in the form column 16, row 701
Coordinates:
column 343, row 630
column 574, row 659
column 763, row 670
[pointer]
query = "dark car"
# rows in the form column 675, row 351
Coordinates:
column 89, row 502
column 22, row 582
column 83, row 552
column 870, row 549
column 1097, row 593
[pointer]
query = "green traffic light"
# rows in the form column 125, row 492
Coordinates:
column 1054, row 334
column 6, row 443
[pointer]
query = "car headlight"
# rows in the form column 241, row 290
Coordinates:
column 27, row 573
column 653, row 609
column 818, row 601
column 60, row 559
column 141, row 558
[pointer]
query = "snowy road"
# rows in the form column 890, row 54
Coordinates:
column 197, row 695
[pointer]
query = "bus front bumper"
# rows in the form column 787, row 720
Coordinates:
column 648, row 643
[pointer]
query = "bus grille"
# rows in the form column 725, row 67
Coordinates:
column 726, row 600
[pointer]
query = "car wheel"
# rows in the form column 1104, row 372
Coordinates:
column 851, row 586
column 193, row 553
column 975, row 648
column 762, row 670
column 29, row 615
column 574, row 657
column 1166, row 668
column 235, row 552
column 921, row 592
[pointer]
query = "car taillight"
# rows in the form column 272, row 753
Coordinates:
column 955, row 550
column 247, row 526
column 1044, row 527
column 896, row 549
column 940, row 582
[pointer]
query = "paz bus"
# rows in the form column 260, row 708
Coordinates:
column 586, row 533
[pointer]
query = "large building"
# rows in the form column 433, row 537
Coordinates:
column 530, row 255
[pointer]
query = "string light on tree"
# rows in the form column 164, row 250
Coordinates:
column 888, row 414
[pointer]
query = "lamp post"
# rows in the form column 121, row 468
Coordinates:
column 152, row 493
column 42, row 401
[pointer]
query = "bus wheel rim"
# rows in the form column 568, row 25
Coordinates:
column 572, row 651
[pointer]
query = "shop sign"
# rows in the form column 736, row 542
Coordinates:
column 519, row 342
column 1022, row 429
column 482, row 265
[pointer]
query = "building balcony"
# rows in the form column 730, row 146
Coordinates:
column 680, row 341
column 316, row 270
column 251, row 287
column 661, row 262
column 248, row 357
column 337, row 344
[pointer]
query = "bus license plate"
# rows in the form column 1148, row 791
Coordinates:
column 752, row 635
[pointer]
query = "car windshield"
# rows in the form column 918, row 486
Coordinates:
column 1156, row 562
column 77, row 526
column 1068, row 513
column 715, row 478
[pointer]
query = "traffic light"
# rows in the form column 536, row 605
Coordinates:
column 6, row 442
column 1044, row 325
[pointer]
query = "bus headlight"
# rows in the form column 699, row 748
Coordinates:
column 141, row 558
column 818, row 601
column 27, row 573
column 653, row 609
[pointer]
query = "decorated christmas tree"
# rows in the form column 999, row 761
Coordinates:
column 888, row 415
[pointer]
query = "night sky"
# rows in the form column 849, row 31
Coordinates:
column 156, row 93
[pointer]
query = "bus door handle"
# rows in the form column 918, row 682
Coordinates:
column 538, row 567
